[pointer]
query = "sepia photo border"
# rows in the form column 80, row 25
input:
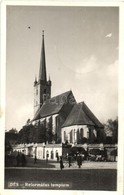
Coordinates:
column 120, row 169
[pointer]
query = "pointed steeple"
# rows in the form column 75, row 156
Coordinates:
column 42, row 87
column 42, row 71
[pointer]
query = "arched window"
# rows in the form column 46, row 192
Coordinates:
column 87, row 134
column 81, row 132
column 71, row 136
column 75, row 136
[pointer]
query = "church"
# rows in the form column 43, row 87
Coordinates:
column 72, row 122
column 69, row 122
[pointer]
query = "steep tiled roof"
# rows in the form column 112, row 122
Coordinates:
column 52, row 106
column 77, row 117
column 81, row 115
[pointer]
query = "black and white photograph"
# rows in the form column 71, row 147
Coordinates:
column 62, row 88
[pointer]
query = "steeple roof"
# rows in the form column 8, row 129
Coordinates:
column 42, row 70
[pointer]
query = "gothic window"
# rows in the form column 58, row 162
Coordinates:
column 75, row 135
column 81, row 132
column 78, row 136
column 71, row 136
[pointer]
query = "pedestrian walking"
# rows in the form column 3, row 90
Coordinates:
column 57, row 156
column 69, row 160
column 79, row 160
column 61, row 163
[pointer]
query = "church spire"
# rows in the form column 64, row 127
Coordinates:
column 42, row 70
column 42, row 87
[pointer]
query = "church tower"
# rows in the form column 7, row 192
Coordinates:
column 42, row 87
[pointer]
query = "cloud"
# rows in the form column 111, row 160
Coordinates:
column 98, row 85
column 88, row 65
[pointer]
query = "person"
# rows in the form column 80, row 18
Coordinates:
column 57, row 156
column 69, row 160
column 61, row 163
column 79, row 160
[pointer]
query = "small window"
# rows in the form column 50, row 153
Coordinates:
column 36, row 91
column 81, row 132
column 64, row 136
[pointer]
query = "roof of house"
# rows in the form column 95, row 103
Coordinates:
column 81, row 115
column 52, row 105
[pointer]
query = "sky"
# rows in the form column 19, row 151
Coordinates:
column 81, row 45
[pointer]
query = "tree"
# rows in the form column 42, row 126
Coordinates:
column 11, row 136
column 13, row 130
column 8, row 146
column 111, row 131
column 24, row 134
column 41, row 133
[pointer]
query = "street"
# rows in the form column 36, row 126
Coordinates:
column 67, row 179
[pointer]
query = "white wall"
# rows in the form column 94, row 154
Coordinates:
column 74, row 130
column 54, row 150
column 41, row 151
